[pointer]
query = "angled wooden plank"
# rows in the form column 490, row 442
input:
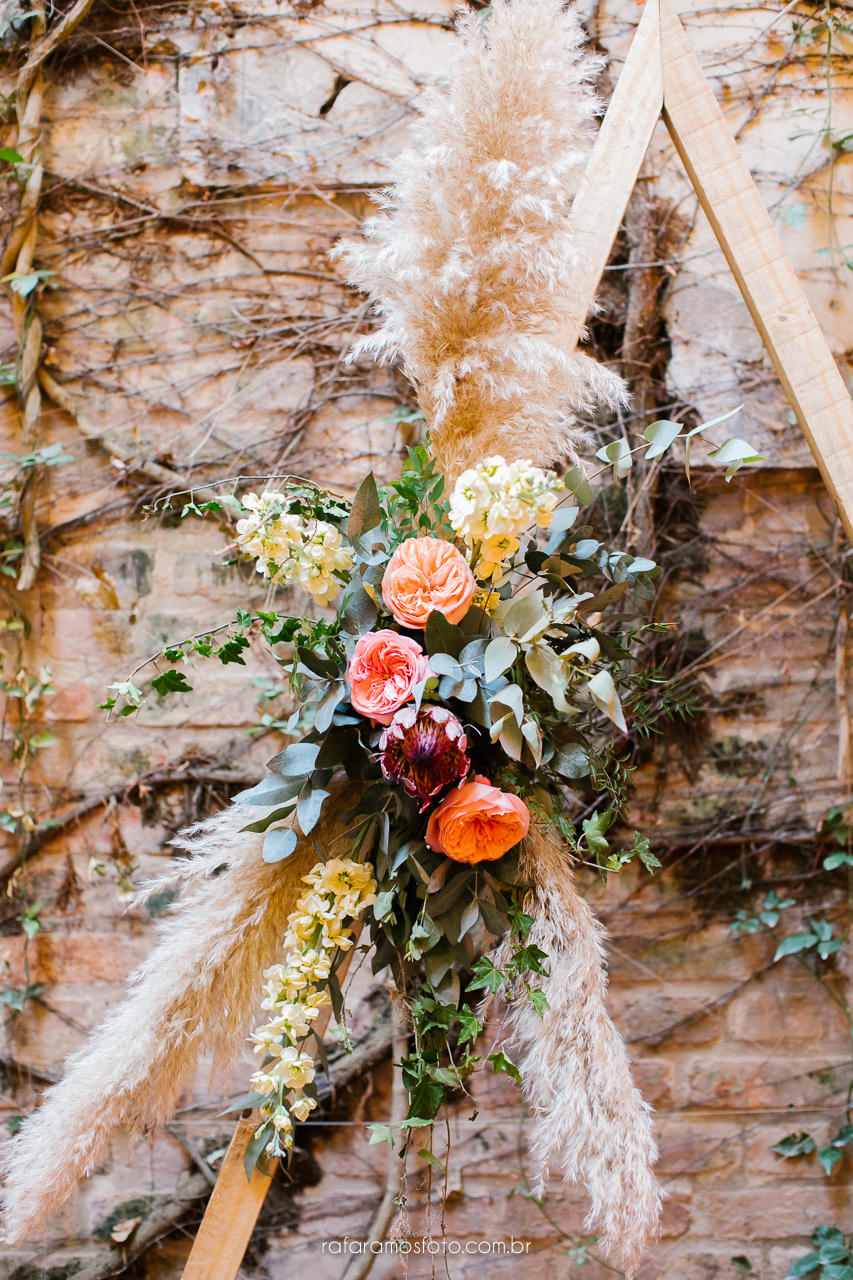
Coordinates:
column 236, row 1201
column 753, row 250
column 231, row 1212
column 614, row 164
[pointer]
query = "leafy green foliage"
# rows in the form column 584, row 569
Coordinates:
column 830, row 1259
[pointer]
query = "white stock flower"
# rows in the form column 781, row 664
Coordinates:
column 291, row 548
column 494, row 503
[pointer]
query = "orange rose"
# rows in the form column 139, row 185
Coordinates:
column 427, row 574
column 383, row 671
column 477, row 822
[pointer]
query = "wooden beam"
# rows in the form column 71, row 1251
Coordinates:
column 236, row 1201
column 754, row 252
column 614, row 165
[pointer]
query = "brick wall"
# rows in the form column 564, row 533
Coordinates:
column 200, row 162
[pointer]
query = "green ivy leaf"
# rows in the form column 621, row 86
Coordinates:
column 804, row 1266
column 796, row 942
column 470, row 1025
column 380, row 1133
column 594, row 829
column 539, row 1000
column 796, row 1144
column 170, row 682
column 501, row 1062
column 840, row 859
column 828, row 1158
column 486, row 976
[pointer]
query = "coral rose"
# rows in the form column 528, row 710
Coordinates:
column 382, row 673
column 424, row 575
column 477, row 822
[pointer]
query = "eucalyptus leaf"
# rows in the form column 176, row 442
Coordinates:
column 279, row 844
column 271, row 790
column 256, row 1147
column 571, row 761
column 500, row 655
column 269, row 819
column 470, row 916
column 365, row 512
column 442, row 636
column 308, row 809
column 359, row 610
column 442, row 664
column 296, row 761
column 603, row 693
column 660, row 436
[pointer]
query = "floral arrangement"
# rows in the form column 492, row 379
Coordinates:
column 462, row 685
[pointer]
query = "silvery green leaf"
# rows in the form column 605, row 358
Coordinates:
column 571, row 761
column 604, row 695
column 660, row 436
column 442, row 664
column 563, row 519
column 327, row 706
column 279, row 844
column 533, row 738
column 618, row 454
column 584, row 650
column 497, row 726
column 500, row 655
column 360, row 612
column 512, row 698
column 641, row 565
column 733, row 454
column 519, row 615
column 383, row 907
column 467, row 691
column 577, row 483
column 308, row 809
column 546, row 669
column 713, row 422
column 474, row 650
column 271, row 790
column 296, row 761
column 470, row 916
column 511, row 739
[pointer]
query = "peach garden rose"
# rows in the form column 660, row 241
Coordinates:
column 426, row 575
column 477, row 822
column 382, row 673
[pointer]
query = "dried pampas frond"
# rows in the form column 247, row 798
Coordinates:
column 471, row 267
column 197, row 991
column 590, row 1122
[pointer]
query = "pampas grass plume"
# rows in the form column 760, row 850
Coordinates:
column 471, row 263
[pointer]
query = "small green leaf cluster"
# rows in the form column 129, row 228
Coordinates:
column 804, row 1144
column 830, row 1259
column 446, row 1027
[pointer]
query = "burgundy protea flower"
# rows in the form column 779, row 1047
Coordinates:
column 423, row 751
